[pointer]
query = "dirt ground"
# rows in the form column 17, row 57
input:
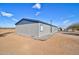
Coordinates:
column 58, row 44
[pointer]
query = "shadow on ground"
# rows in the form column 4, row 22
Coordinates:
column 70, row 33
column 4, row 34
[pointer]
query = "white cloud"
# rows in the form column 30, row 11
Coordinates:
column 14, row 19
column 66, row 21
column 37, row 6
column 68, row 17
column 37, row 13
column 6, row 14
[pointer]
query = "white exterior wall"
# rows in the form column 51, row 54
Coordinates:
column 35, row 30
column 28, row 29
column 46, row 30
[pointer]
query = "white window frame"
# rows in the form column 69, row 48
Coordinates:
column 41, row 28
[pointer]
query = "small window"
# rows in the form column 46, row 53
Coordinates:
column 41, row 27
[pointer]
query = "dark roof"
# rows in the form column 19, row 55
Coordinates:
column 35, row 21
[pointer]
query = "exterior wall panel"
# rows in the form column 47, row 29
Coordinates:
column 34, row 29
column 28, row 29
column 46, row 30
column 54, row 30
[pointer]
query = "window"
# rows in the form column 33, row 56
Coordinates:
column 41, row 27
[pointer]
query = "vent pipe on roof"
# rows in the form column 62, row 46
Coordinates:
column 51, row 21
column 51, row 26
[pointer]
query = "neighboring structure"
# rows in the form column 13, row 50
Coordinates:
column 73, row 28
column 35, row 28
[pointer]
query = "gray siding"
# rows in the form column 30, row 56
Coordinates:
column 46, row 30
column 54, row 30
column 28, row 29
column 33, row 29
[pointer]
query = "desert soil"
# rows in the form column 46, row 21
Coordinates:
column 58, row 44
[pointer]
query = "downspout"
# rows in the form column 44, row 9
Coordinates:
column 39, row 30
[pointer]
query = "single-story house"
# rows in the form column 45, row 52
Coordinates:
column 34, row 28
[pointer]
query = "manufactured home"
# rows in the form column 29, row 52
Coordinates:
column 35, row 28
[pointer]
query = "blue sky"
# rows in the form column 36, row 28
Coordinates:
column 61, row 14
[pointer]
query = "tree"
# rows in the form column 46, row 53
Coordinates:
column 74, row 27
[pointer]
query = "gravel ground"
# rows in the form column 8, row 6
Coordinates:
column 57, row 44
